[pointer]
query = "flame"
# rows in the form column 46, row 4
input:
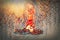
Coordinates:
column 30, row 10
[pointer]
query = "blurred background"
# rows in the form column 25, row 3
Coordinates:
column 12, row 13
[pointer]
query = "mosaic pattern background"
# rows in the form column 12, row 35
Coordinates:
column 49, row 23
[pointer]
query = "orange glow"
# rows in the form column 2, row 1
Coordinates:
column 16, row 9
column 30, row 17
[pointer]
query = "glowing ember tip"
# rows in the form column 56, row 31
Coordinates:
column 29, row 28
